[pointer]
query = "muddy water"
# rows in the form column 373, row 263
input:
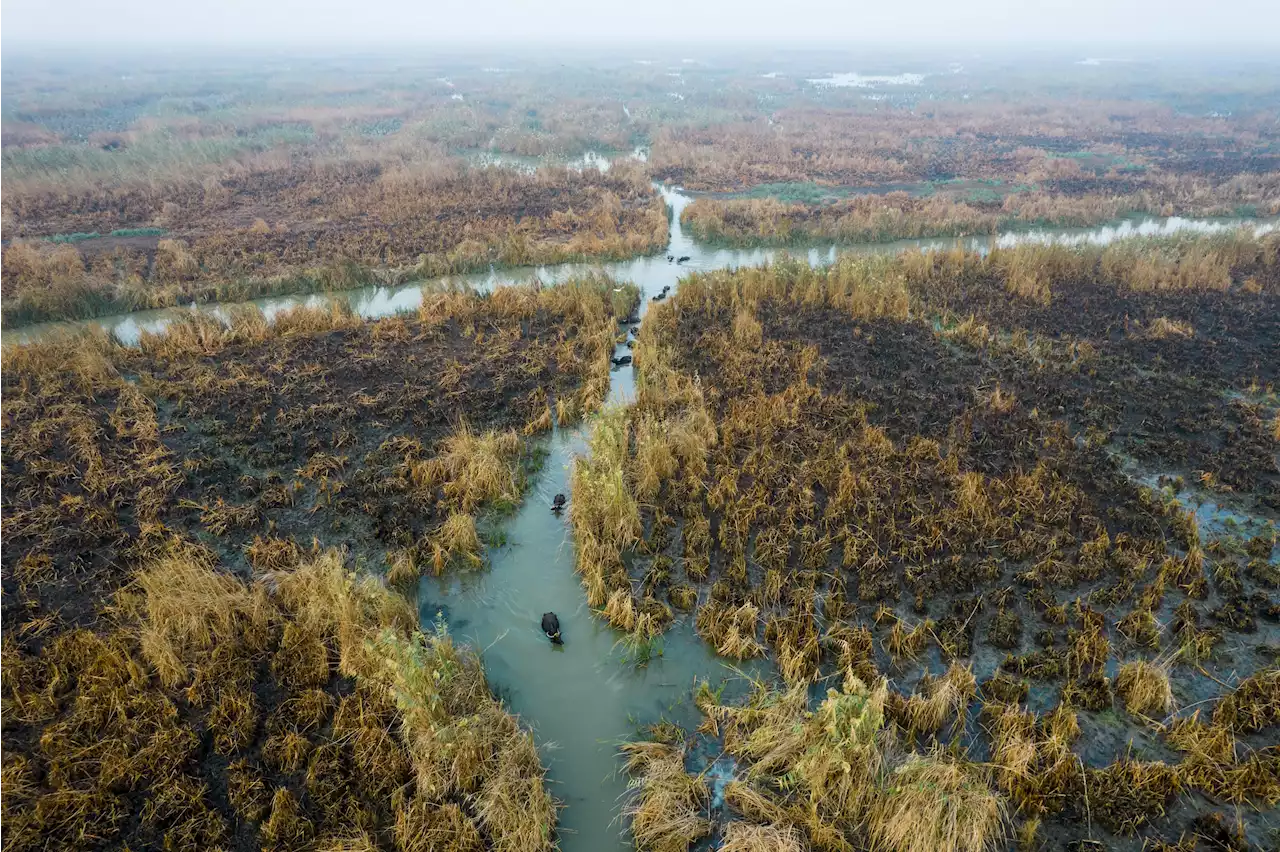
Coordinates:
column 584, row 697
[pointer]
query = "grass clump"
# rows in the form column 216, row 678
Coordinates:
column 835, row 773
column 1144, row 688
column 352, row 707
column 748, row 837
column 1253, row 705
column 475, row 469
column 666, row 810
column 933, row 803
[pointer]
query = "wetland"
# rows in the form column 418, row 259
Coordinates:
column 935, row 508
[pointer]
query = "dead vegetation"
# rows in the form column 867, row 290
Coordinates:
column 188, row 663
column 832, row 776
column 862, row 479
column 379, row 227
column 302, row 708
column 318, row 418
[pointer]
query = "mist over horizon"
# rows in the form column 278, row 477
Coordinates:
column 1137, row 25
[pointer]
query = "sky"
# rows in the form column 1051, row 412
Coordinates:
column 325, row 23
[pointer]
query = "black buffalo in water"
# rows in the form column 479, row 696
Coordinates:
column 551, row 627
column 557, row 503
column 622, row 361
column 682, row 258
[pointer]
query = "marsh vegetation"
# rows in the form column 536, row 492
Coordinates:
column 985, row 540
column 206, row 181
column 902, row 478
column 207, row 545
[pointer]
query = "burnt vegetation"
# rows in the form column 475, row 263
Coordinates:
column 1000, row 527
column 202, row 537
column 962, row 489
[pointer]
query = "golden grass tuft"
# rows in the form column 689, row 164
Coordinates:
column 933, row 804
column 945, row 696
column 667, row 805
column 456, row 542
column 186, row 608
column 288, row 825
column 473, row 469
column 620, row 611
column 343, row 607
column 426, row 826
column 745, row 837
column 906, row 643
column 402, row 569
column 1253, row 705
column 1163, row 328
column 754, row 804
column 730, row 630
column 1144, row 687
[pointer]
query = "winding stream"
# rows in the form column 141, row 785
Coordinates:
column 584, row 697
column 651, row 273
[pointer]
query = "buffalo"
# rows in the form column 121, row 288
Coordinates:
column 551, row 627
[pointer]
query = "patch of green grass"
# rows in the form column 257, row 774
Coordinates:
column 803, row 193
column 76, row 237
column 493, row 537
column 138, row 232
column 983, row 195
column 640, row 649
column 502, row 507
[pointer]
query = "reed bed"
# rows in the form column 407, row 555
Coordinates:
column 885, row 469
column 192, row 657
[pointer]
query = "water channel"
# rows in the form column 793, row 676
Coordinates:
column 653, row 272
column 584, row 697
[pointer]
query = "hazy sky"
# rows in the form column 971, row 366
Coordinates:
column 328, row 22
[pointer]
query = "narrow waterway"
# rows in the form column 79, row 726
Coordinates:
column 584, row 697
column 581, row 699
column 651, row 273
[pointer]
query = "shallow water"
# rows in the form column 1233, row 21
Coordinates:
column 865, row 81
column 581, row 698
column 584, row 697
